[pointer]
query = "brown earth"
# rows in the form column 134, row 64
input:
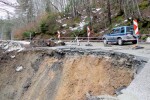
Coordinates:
column 49, row 75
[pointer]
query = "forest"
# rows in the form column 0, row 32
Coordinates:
column 43, row 18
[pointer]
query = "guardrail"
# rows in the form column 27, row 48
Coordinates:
column 65, row 39
column 81, row 39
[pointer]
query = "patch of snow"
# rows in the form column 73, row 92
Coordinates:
column 64, row 32
column 59, row 21
column 64, row 25
column 125, row 20
column 148, row 40
column 21, row 49
column 64, row 19
column 114, row 15
column 117, row 24
column 102, row 32
column 93, row 8
column 106, row 29
column 83, row 17
column 23, row 42
column 130, row 17
column 13, row 45
column 13, row 56
column 100, row 12
column 75, row 28
column 79, row 27
column 82, row 24
column 19, row 69
column 94, row 11
column 70, row 27
column 69, row 17
column 98, row 9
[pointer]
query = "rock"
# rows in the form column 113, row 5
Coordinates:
column 19, row 69
column 27, row 84
column 60, row 43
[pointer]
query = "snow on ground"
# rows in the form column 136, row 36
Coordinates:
column 148, row 40
column 98, row 9
column 95, row 10
column 64, row 25
column 117, row 24
column 79, row 27
column 13, row 45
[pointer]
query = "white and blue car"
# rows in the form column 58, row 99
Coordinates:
column 120, row 35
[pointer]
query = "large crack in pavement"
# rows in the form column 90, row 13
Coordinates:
column 53, row 73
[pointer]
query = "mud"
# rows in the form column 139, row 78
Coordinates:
column 64, row 74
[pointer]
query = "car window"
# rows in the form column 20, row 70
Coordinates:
column 112, row 31
column 117, row 30
column 129, row 30
column 122, row 30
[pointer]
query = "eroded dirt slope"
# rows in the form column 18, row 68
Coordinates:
column 52, row 75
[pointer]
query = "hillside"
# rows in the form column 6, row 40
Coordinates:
column 42, row 19
column 96, row 17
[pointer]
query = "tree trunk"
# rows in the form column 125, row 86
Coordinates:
column 109, row 12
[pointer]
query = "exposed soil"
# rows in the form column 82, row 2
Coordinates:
column 63, row 75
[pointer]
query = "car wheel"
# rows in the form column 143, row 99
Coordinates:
column 105, row 41
column 120, row 42
column 134, row 42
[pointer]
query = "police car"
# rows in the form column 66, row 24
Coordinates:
column 120, row 35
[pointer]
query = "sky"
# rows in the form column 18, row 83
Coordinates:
column 3, row 14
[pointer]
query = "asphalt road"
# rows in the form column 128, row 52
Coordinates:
column 142, row 50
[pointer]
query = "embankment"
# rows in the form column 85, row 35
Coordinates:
column 64, row 74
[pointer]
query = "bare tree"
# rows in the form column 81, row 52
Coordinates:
column 109, row 11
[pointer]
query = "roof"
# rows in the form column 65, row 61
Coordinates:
column 122, row 26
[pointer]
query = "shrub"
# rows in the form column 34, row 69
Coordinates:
column 49, row 24
column 43, row 27
column 144, row 37
column 144, row 4
column 96, row 27
column 27, row 34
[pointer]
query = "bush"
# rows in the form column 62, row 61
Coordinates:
column 97, row 27
column 49, row 25
column 144, row 37
column 53, row 26
column 144, row 4
column 27, row 34
column 43, row 27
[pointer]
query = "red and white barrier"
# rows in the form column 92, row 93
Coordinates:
column 58, row 33
column 88, row 31
column 136, row 30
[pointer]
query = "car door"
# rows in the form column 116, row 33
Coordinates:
column 115, row 34
column 111, row 35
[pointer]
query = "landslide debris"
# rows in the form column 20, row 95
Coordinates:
column 64, row 74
